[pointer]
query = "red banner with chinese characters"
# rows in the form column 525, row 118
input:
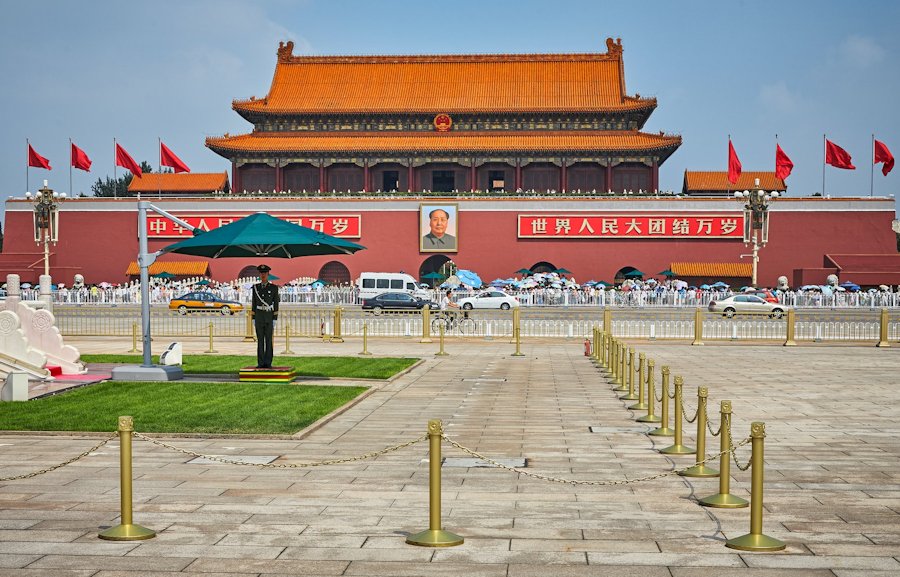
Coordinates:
column 631, row 226
column 340, row 225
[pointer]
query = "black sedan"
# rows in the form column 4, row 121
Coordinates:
column 395, row 302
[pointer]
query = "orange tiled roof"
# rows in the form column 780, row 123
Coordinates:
column 423, row 142
column 712, row 269
column 718, row 180
column 448, row 83
column 178, row 268
column 181, row 182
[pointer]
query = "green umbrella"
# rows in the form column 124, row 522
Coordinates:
column 667, row 273
column 523, row 271
column 634, row 274
column 203, row 282
column 562, row 271
column 433, row 275
column 271, row 277
column 165, row 275
column 261, row 235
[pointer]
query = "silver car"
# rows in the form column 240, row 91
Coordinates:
column 746, row 304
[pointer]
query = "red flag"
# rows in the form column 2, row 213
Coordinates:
column 734, row 165
column 837, row 156
column 783, row 164
column 168, row 158
column 80, row 159
column 36, row 160
column 882, row 154
column 124, row 160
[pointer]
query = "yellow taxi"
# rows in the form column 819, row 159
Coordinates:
column 204, row 301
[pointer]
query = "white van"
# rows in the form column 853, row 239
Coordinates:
column 372, row 284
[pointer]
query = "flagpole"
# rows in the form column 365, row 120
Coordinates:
column 872, row 171
column 115, row 171
column 159, row 166
column 27, row 163
column 728, row 164
column 71, row 192
column 824, row 153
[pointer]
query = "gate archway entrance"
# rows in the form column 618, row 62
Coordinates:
column 335, row 273
column 542, row 267
column 439, row 264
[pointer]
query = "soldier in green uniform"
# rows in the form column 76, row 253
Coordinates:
column 265, row 313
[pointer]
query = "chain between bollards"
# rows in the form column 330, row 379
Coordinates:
column 126, row 531
column 365, row 350
column 678, row 448
column 700, row 469
column 434, row 536
column 211, row 349
column 755, row 540
column 650, row 417
column 724, row 499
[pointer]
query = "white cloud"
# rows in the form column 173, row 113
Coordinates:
column 861, row 52
column 779, row 97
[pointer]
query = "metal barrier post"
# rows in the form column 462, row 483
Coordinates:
column 755, row 540
column 287, row 339
column 883, row 330
column 426, row 325
column 791, row 326
column 650, row 417
column 336, row 336
column 698, row 327
column 664, row 430
column 724, row 499
column 679, row 448
column 699, row 470
column 641, row 405
column 134, row 337
column 249, row 337
column 127, row 531
column 211, row 349
column 628, row 374
column 607, row 321
column 517, row 332
column 365, row 350
column 441, row 352
column 434, row 536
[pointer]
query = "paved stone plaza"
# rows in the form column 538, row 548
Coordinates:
column 832, row 475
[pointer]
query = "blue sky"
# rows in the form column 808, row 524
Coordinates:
column 136, row 71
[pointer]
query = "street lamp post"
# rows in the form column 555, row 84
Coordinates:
column 756, row 221
column 46, row 219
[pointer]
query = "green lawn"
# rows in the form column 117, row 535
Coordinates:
column 341, row 367
column 179, row 407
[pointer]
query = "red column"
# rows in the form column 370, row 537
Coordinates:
column 366, row 176
column 563, row 177
column 410, row 178
column 235, row 178
column 608, row 174
column 473, row 176
column 654, row 179
column 518, row 183
column 322, row 182
column 279, row 178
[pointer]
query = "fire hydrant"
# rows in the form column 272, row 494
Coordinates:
column 587, row 347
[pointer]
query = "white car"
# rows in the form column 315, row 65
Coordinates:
column 490, row 299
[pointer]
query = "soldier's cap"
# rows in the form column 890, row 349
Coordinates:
column 263, row 268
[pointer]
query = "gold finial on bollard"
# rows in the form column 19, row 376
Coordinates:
column 650, row 417
column 664, row 430
column 755, row 540
column 434, row 536
column 700, row 469
column 724, row 499
column 679, row 448
column 365, row 350
column 126, row 531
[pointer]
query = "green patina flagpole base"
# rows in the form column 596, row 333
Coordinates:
column 435, row 538
column 751, row 542
column 127, row 533
column 724, row 501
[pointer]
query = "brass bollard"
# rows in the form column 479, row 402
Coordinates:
column 249, row 337
column 755, row 540
column 441, row 352
column 336, row 337
column 664, row 430
column 698, row 327
column 679, row 448
column 641, row 405
column 127, row 531
column 607, row 321
column 365, row 350
column 134, row 337
column 701, row 470
column 426, row 325
column 724, row 499
column 628, row 374
column 650, row 417
column 517, row 333
column 612, row 368
column 883, row 330
column 791, row 326
column 287, row 339
column 434, row 536
column 211, row 349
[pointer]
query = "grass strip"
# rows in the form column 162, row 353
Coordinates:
column 338, row 367
column 180, row 407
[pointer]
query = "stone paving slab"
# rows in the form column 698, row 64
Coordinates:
column 832, row 470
